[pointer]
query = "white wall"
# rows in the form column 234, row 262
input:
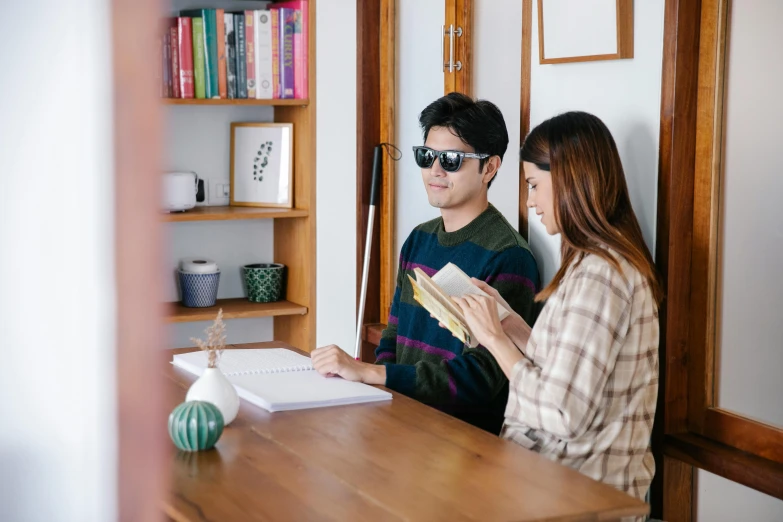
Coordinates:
column 336, row 176
column 497, row 78
column 626, row 95
column 720, row 500
column 57, row 378
column 419, row 83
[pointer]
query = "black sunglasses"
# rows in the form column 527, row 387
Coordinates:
column 450, row 160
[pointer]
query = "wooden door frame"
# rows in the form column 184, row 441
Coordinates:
column 688, row 432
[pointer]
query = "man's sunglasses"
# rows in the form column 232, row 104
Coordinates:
column 450, row 160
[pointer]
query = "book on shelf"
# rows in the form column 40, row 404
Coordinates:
column 231, row 56
column 198, row 58
column 250, row 54
column 435, row 295
column 239, row 31
column 220, row 42
column 185, row 53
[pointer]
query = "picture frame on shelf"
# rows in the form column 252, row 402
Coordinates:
column 261, row 170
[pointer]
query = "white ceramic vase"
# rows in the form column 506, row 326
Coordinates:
column 213, row 387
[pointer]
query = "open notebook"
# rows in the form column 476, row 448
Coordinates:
column 278, row 379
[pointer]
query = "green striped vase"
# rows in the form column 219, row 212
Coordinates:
column 195, row 425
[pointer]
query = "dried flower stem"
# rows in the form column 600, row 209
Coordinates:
column 216, row 340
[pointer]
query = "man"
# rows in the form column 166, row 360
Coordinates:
column 465, row 141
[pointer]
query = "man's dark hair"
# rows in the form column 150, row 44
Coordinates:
column 479, row 124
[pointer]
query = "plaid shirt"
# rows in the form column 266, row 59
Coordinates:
column 584, row 395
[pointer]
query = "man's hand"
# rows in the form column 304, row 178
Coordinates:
column 332, row 360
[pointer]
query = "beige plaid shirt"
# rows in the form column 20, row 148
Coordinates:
column 584, row 395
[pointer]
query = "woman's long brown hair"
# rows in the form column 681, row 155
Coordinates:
column 591, row 202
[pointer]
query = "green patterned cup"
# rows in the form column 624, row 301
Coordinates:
column 264, row 282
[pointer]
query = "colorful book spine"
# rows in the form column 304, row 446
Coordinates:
column 275, row 15
column 231, row 55
column 185, row 50
column 198, row 57
column 167, row 81
column 174, row 53
column 209, row 42
column 264, row 89
column 239, row 28
column 220, row 29
column 287, row 27
column 301, row 48
column 250, row 52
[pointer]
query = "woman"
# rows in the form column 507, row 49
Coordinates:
column 583, row 382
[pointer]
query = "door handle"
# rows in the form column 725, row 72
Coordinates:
column 451, row 33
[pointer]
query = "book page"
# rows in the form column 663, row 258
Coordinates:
column 250, row 361
column 445, row 312
column 456, row 283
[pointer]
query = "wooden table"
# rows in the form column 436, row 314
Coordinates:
column 395, row 460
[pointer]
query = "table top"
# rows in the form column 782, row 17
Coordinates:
column 392, row 460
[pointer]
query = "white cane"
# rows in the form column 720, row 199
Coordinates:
column 375, row 189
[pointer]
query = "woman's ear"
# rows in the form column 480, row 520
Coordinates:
column 491, row 168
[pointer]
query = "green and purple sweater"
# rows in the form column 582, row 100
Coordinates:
column 423, row 360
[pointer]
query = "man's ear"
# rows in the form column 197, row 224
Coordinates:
column 491, row 168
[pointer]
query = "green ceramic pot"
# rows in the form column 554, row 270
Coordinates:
column 195, row 425
column 264, row 282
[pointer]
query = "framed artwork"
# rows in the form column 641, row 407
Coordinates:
column 261, row 172
column 584, row 30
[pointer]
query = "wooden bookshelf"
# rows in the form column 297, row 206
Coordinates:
column 233, row 213
column 235, row 308
column 225, row 101
column 294, row 229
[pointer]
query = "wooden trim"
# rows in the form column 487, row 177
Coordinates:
column 755, row 437
column 371, row 333
column 233, row 213
column 233, row 308
column 674, row 232
column 738, row 466
column 143, row 447
column 677, row 490
column 388, row 134
column 368, row 130
column 706, row 211
column 460, row 13
column 295, row 239
column 624, row 19
column 524, row 107
column 624, row 29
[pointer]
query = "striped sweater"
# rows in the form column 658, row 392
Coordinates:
column 424, row 361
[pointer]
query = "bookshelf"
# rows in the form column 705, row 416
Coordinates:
column 293, row 229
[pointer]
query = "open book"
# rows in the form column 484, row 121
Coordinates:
column 278, row 379
column 435, row 293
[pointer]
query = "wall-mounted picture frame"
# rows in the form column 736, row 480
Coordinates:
column 261, row 171
column 584, row 30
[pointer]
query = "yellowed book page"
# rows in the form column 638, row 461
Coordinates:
column 435, row 306
column 456, row 283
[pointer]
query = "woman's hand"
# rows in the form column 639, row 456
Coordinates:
column 481, row 314
column 491, row 291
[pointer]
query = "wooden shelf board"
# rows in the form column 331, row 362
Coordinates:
column 225, row 101
column 234, row 308
column 233, row 213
